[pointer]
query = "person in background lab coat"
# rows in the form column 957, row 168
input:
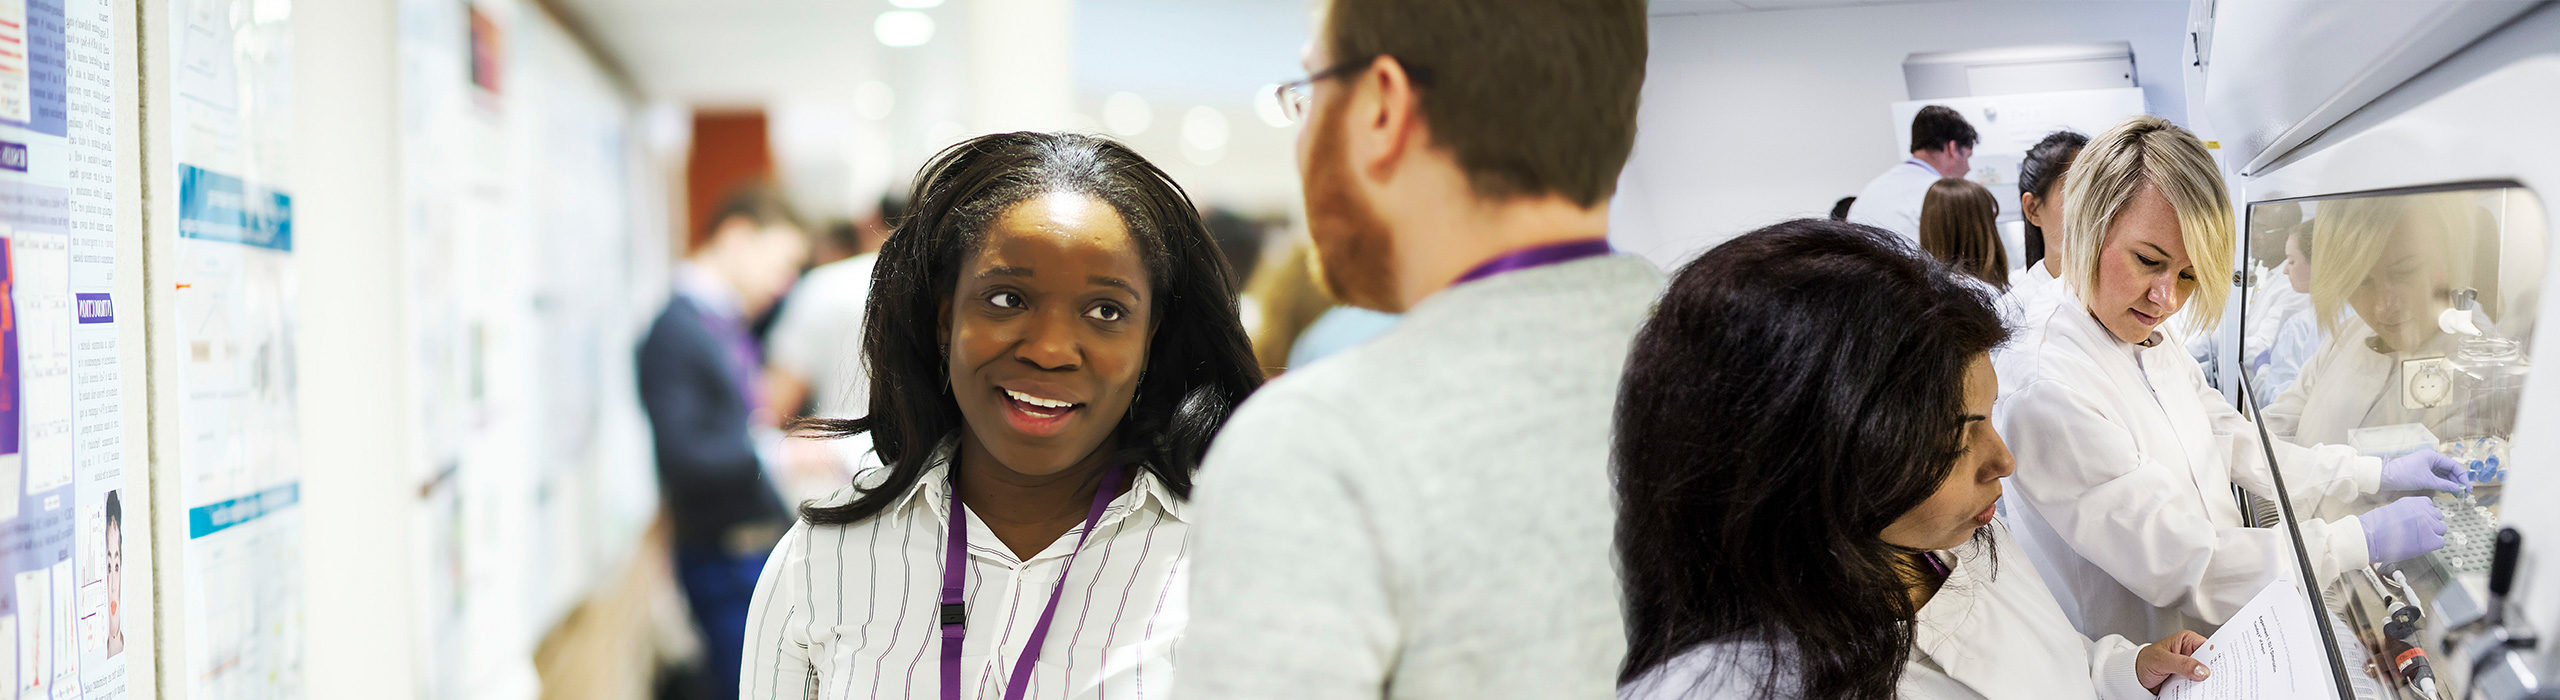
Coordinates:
column 2040, row 203
column 2127, row 457
column 1801, row 545
column 1941, row 147
column 2278, row 332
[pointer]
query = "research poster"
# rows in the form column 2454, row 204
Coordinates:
column 62, row 598
column 239, row 465
column 446, row 133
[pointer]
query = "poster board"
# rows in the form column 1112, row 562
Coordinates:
column 237, row 451
column 521, row 211
column 63, row 601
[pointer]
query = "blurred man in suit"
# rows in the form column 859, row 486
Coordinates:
column 699, row 370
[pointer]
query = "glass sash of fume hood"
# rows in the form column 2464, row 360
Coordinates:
column 2386, row 323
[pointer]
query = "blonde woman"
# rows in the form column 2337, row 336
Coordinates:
column 2388, row 266
column 1960, row 226
column 2126, row 456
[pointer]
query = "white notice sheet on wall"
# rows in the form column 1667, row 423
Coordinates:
column 239, row 465
column 2271, row 650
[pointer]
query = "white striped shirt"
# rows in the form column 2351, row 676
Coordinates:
column 849, row 611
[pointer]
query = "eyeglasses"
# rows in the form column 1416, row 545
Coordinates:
column 1294, row 96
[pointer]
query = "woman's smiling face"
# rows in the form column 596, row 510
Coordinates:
column 1048, row 327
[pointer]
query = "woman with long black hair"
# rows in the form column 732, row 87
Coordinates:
column 1053, row 340
column 1806, row 478
column 2034, row 288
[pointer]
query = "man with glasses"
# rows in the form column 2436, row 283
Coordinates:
column 1429, row 514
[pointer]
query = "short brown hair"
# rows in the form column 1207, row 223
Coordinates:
column 1960, row 225
column 1936, row 125
column 761, row 205
column 1531, row 96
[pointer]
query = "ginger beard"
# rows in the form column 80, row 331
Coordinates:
column 1355, row 255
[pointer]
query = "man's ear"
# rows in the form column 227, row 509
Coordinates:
column 1387, row 108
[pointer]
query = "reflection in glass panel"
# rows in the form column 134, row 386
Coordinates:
column 2387, row 324
column 2373, row 317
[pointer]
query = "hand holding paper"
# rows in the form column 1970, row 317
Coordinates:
column 2158, row 662
column 2269, row 651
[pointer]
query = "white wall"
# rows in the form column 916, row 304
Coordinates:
column 1753, row 118
column 355, row 415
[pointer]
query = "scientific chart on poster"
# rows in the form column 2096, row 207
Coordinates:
column 62, row 597
column 239, row 468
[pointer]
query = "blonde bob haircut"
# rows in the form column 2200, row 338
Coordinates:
column 2349, row 238
column 2147, row 151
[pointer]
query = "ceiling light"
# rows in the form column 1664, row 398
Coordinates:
column 903, row 28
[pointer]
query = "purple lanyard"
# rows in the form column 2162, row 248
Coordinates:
column 1535, row 256
column 955, row 613
column 1936, row 565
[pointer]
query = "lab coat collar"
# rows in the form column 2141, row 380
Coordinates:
column 2081, row 322
column 2042, row 271
column 1942, row 627
column 1924, row 165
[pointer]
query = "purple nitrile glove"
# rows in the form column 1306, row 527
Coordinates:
column 2424, row 470
column 2403, row 529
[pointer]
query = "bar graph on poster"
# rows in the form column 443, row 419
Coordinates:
column 61, row 454
column 239, row 465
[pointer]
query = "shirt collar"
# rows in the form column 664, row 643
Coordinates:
column 1924, row 165
column 696, row 283
column 932, row 491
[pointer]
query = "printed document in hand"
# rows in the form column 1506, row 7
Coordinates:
column 2269, row 651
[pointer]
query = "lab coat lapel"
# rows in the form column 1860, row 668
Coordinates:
column 1959, row 632
column 2367, row 382
column 2166, row 364
column 1948, row 620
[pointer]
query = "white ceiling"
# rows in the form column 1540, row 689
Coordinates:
column 748, row 52
column 734, row 52
column 1660, row 8
column 803, row 58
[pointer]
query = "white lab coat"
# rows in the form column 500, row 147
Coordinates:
column 1892, row 200
column 2032, row 292
column 2125, row 465
column 2347, row 384
column 1994, row 631
column 1984, row 635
